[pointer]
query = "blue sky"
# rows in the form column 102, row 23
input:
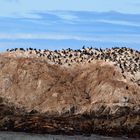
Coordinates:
column 54, row 24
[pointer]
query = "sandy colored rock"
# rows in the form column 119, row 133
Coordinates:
column 97, row 90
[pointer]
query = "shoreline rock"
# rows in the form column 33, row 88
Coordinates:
column 73, row 125
column 39, row 97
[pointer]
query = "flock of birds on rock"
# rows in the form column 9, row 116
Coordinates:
column 127, row 59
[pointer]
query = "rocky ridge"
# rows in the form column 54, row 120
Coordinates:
column 128, row 60
column 88, row 97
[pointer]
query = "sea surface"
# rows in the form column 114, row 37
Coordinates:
column 24, row 136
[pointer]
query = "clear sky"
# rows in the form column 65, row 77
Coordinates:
column 61, row 24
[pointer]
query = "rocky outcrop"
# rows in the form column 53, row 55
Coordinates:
column 40, row 97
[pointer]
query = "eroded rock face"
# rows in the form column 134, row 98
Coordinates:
column 80, row 99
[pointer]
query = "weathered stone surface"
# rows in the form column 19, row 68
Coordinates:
column 44, row 98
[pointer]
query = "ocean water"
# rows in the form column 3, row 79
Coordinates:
column 24, row 136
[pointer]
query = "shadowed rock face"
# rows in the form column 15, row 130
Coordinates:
column 89, row 98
